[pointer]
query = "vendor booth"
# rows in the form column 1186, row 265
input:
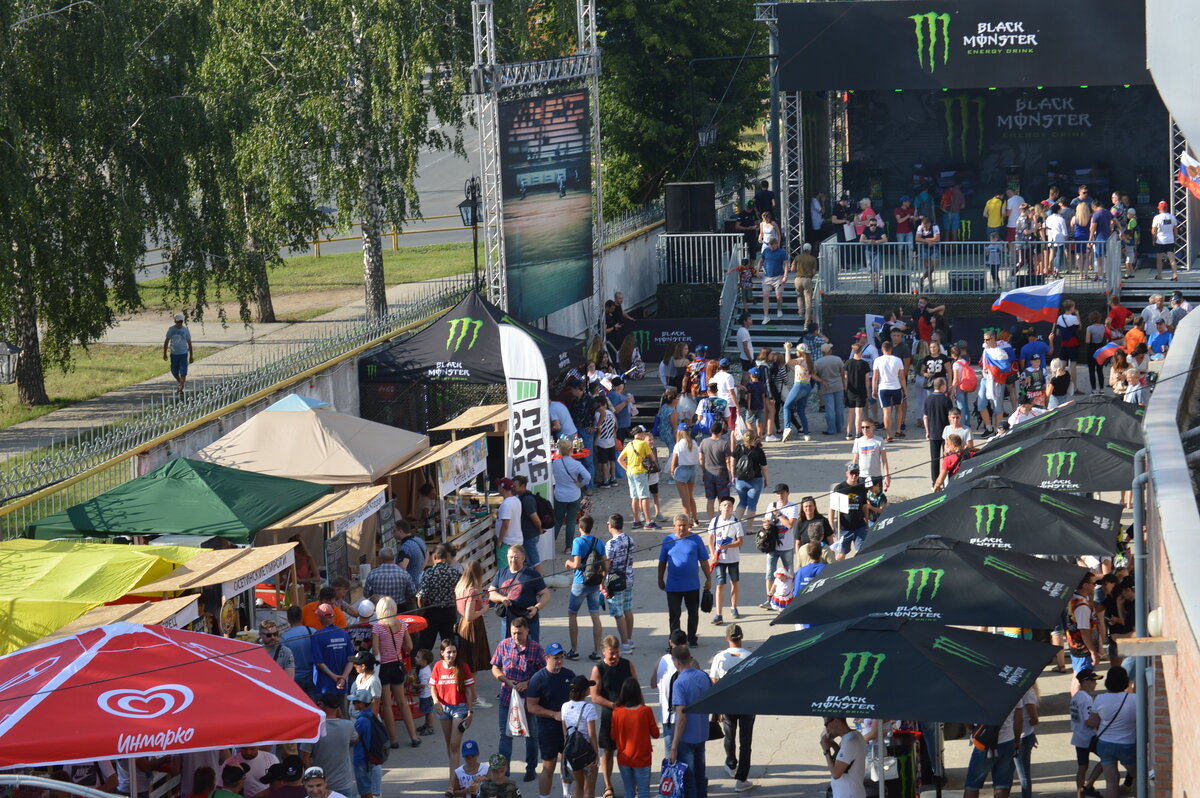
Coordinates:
column 453, row 364
column 184, row 497
column 172, row 613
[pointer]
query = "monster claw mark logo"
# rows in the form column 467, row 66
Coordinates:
column 858, row 569
column 1058, row 504
column 932, row 26
column 1055, row 462
column 461, row 327
column 1090, row 425
column 958, row 125
column 987, row 514
column 929, row 505
column 372, row 370
column 792, row 649
column 1120, row 449
column 856, row 664
column 641, row 339
column 954, row 648
column 1008, row 568
column 921, row 578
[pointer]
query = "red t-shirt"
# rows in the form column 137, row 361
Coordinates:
column 1118, row 316
column 445, row 686
column 903, row 227
column 632, row 729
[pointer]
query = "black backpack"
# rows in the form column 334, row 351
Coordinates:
column 377, row 747
column 578, row 750
column 545, row 511
column 767, row 539
column 593, row 567
column 744, row 467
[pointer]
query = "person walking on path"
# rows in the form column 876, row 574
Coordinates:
column 522, row 591
column 619, row 550
column 548, row 690
column 716, row 464
column 471, row 603
column 830, row 372
column 453, row 685
column 936, row 418
column 686, row 687
column 637, row 458
column 435, row 597
column 852, row 524
column 889, row 388
column 514, row 663
column 570, row 477
column 750, row 472
column 586, row 550
column 781, row 513
column 179, row 342
column 797, row 397
column 681, row 560
column 870, row 454
column 738, row 729
column 805, row 265
column 633, row 727
column 858, row 387
column 582, row 716
column 608, row 677
column 725, row 537
column 684, row 464
column 390, row 641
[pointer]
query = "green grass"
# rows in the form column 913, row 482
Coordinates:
column 310, row 274
column 100, row 369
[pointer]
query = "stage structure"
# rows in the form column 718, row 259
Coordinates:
column 519, row 86
column 1018, row 94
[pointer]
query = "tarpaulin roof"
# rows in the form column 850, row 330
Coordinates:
column 184, row 497
column 348, row 506
column 439, row 452
column 42, row 591
column 175, row 554
column 472, row 417
column 318, row 445
column 238, row 569
column 294, row 402
column 171, row 612
column 463, row 346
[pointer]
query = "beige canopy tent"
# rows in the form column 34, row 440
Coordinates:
column 174, row 613
column 472, row 417
column 300, row 439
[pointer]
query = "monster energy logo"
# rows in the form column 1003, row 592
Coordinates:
column 858, row 569
column 1085, row 424
column 921, row 578
column 954, row 648
column 1008, row 568
column 1055, row 462
column 969, row 114
column 641, row 339
column 930, row 26
column 987, row 514
column 856, row 664
column 461, row 327
column 372, row 370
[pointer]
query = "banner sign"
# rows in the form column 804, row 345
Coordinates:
column 348, row 522
column 461, row 467
column 247, row 581
column 918, row 44
column 528, row 452
column 654, row 336
column 841, row 329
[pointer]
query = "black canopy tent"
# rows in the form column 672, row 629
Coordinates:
column 452, row 364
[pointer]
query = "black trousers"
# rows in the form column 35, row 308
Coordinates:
column 935, row 459
column 441, row 622
column 739, row 733
column 674, row 601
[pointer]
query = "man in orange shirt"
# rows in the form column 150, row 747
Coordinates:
column 309, row 615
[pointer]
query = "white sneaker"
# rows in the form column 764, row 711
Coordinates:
column 808, row 437
column 766, row 319
column 779, row 313
column 787, row 433
column 627, row 648
column 772, row 438
column 732, row 773
column 743, row 786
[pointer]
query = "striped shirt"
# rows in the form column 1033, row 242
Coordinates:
column 390, row 642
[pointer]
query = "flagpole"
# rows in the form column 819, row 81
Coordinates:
column 880, row 756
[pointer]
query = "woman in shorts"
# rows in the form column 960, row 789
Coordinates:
column 1114, row 717
column 390, row 641
column 684, row 465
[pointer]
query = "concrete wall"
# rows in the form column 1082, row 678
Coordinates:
column 1170, row 43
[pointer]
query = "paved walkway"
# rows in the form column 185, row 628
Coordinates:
column 786, row 758
column 244, row 347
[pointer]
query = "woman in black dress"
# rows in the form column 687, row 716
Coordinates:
column 608, row 675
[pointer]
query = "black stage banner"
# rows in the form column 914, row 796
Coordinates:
column 652, row 336
column 918, row 44
column 842, row 328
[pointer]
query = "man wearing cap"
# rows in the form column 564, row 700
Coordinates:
column 583, row 415
column 290, row 771
column 1082, row 737
column 317, row 786
column 726, row 385
column 1160, row 339
column 622, row 406
column 739, row 729
column 548, row 690
column 331, row 650
column 233, row 782
column 281, row 655
column 516, row 660
column 331, row 753
column 851, row 524
column 179, row 342
column 686, row 687
column 389, row 579
column 471, row 773
column 1163, row 228
column 498, row 784
column 256, row 763
column 368, row 777
column 508, row 519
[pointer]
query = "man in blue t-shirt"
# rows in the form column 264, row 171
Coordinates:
column 680, row 560
column 331, row 649
column 1101, row 229
column 685, row 687
column 775, row 268
column 548, row 691
column 1160, row 339
column 585, row 549
column 1037, row 347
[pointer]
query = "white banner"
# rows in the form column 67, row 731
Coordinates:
column 528, row 452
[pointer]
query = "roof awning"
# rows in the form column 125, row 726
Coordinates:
column 173, row 613
column 235, row 570
column 345, row 509
column 481, row 416
column 437, row 453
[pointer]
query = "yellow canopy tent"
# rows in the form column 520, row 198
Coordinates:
column 42, row 591
column 176, row 554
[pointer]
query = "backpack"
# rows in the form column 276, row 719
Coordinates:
column 985, row 738
column 545, row 511
column 377, row 749
column 578, row 750
column 963, row 454
column 593, row 567
column 767, row 539
column 968, row 380
column 1074, row 633
column 744, row 467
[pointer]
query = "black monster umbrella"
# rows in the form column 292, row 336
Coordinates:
column 941, row 580
column 1002, row 514
column 1099, row 416
column 879, row 667
column 1058, row 460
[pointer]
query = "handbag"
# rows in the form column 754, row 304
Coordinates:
column 715, row 732
column 670, row 784
column 614, row 583
column 706, row 601
column 518, row 721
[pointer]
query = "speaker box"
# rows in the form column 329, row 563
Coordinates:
column 963, row 282
column 691, row 207
column 1024, row 280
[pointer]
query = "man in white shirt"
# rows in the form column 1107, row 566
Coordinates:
column 1012, row 207
column 847, row 760
column 1163, row 228
column 739, row 729
column 888, row 387
column 745, row 346
column 726, row 385
column 259, row 762
column 955, row 427
column 1081, row 734
column 508, row 519
column 661, row 681
column 1157, row 309
column 870, row 454
column 1025, row 411
column 999, row 762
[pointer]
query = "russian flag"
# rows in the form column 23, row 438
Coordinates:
column 1105, row 352
column 1033, row 302
column 997, row 363
column 1189, row 173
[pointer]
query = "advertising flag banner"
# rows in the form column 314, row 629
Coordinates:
column 528, row 452
column 1189, row 173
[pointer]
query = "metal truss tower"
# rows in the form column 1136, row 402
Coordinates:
column 492, row 82
column 1180, row 197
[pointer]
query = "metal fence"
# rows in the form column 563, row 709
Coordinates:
column 624, row 224
column 697, row 257
column 88, row 464
column 967, row 267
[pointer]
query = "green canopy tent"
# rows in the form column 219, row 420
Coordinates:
column 184, row 497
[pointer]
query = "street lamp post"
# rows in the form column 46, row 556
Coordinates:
column 468, row 209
